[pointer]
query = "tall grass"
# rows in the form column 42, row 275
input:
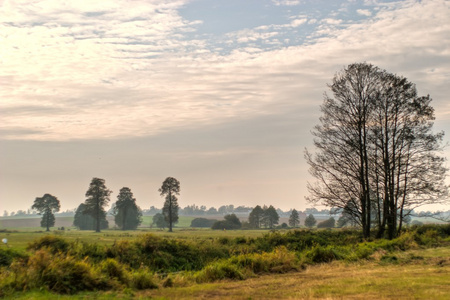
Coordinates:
column 53, row 263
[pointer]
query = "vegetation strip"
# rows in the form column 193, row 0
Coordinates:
column 54, row 264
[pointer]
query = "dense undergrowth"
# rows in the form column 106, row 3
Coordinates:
column 54, row 264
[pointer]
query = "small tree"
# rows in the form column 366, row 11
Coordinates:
column 127, row 214
column 255, row 217
column 330, row 223
column 159, row 221
column 97, row 198
column 84, row 221
column 310, row 221
column 47, row 205
column 170, row 187
column 294, row 218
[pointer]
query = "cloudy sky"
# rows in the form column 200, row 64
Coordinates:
column 221, row 95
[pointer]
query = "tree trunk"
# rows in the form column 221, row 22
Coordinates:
column 170, row 211
column 97, row 208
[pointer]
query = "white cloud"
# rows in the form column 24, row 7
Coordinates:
column 364, row 12
column 298, row 22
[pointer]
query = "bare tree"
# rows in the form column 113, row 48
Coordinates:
column 376, row 156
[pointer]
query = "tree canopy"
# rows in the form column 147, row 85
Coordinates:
column 97, row 198
column 47, row 205
column 170, row 187
column 294, row 218
column 255, row 217
column 310, row 221
column 127, row 215
column 85, row 221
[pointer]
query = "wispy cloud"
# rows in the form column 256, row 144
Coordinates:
column 364, row 12
column 286, row 2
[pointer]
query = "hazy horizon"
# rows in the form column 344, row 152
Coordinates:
column 221, row 95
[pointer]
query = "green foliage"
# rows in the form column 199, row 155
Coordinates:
column 294, row 218
column 48, row 220
column 310, row 221
column 170, row 187
column 160, row 221
column 47, row 205
column 320, row 254
column 127, row 215
column 247, row 265
column 143, row 279
column 97, row 197
column 330, row 223
column 202, row 222
column 113, row 269
column 270, row 217
column 218, row 271
column 66, row 267
column 53, row 243
column 255, row 217
column 231, row 222
column 85, row 221
column 8, row 255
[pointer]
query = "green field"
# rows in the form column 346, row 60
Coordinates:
column 19, row 236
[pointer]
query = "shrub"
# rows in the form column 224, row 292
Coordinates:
column 330, row 223
column 8, row 255
column 143, row 279
column 219, row 270
column 320, row 254
column 62, row 274
column 54, row 243
column 114, row 270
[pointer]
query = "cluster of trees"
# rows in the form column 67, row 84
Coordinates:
column 91, row 215
column 376, row 155
column 263, row 217
column 230, row 222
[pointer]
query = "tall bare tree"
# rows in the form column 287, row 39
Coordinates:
column 376, row 156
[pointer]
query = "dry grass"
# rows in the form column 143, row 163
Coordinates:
column 427, row 277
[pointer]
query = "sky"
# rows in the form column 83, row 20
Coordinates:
column 220, row 94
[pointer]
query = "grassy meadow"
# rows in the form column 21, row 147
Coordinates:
column 236, row 264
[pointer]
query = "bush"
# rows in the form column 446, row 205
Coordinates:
column 143, row 279
column 54, row 243
column 8, row 255
column 319, row 254
column 330, row 223
column 62, row 274
column 219, row 270
column 114, row 270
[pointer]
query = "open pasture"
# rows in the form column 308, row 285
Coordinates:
column 19, row 239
